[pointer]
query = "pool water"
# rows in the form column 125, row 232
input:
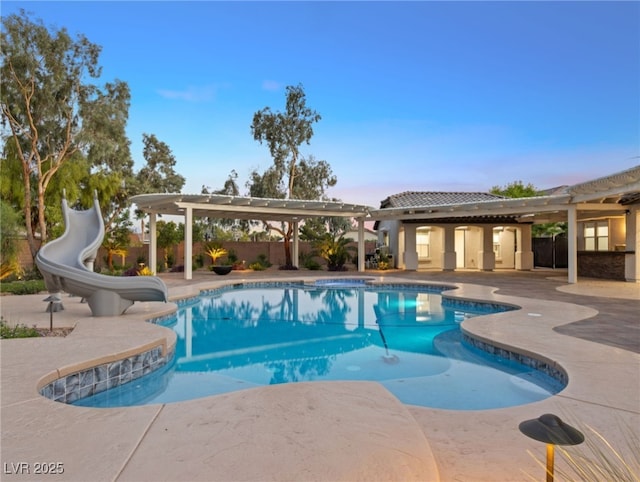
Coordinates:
column 404, row 337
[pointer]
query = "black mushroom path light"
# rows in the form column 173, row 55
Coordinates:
column 548, row 428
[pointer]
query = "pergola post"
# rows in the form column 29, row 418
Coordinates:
column 188, row 243
column 361, row 253
column 296, row 241
column 572, row 244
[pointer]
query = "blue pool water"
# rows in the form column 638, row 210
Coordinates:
column 402, row 336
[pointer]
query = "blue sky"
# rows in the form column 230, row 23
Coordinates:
column 426, row 96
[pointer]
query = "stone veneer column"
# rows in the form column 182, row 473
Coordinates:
column 524, row 253
column 449, row 253
column 487, row 256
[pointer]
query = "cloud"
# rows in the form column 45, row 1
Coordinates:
column 271, row 85
column 191, row 94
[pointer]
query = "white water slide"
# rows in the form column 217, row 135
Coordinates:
column 67, row 265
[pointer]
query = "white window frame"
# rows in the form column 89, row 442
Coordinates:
column 423, row 248
column 596, row 236
column 497, row 248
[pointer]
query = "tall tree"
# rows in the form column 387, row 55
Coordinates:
column 158, row 175
column 291, row 176
column 50, row 110
column 517, row 189
column 169, row 235
column 109, row 157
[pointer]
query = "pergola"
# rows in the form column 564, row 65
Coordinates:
column 234, row 207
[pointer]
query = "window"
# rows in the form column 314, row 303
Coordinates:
column 496, row 243
column 422, row 243
column 596, row 236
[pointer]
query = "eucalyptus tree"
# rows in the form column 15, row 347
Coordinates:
column 158, row 175
column 52, row 113
column 292, row 176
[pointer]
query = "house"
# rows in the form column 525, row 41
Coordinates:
column 474, row 230
column 467, row 233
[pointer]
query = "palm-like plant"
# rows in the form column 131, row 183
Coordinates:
column 334, row 250
column 145, row 271
column 215, row 253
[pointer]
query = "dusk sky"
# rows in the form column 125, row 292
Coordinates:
column 414, row 96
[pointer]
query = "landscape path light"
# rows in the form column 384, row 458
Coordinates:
column 55, row 304
column 548, row 428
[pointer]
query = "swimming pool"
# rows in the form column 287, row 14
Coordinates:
column 405, row 336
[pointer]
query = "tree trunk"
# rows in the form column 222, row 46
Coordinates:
column 287, row 251
column 31, row 239
column 42, row 224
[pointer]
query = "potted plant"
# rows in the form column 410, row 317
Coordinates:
column 215, row 253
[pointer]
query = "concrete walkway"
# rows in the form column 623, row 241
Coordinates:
column 323, row 431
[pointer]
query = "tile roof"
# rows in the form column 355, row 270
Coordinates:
column 417, row 199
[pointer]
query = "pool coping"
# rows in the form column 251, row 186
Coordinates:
column 584, row 361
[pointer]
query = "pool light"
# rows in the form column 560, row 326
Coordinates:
column 548, row 428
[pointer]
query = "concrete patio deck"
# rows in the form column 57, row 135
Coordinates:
column 333, row 431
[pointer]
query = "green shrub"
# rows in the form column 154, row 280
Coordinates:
column 199, row 260
column 31, row 274
column 171, row 259
column 308, row 261
column 232, row 257
column 29, row 287
column 17, row 331
column 261, row 263
column 312, row 264
column 263, row 260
